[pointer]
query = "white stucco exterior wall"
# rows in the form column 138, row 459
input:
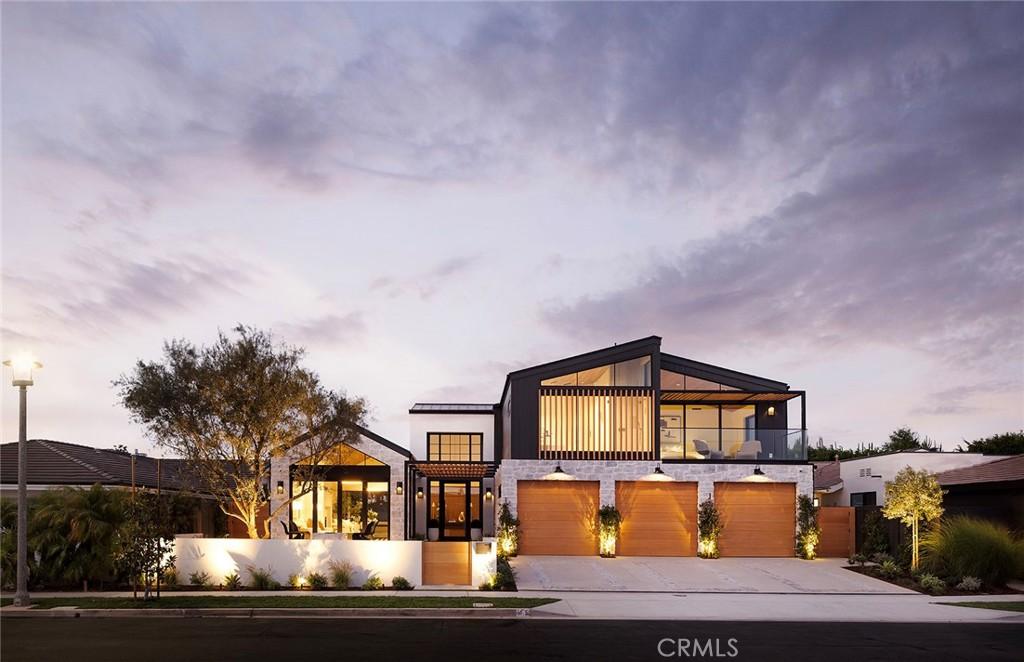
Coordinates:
column 219, row 557
column 887, row 466
column 422, row 423
column 607, row 472
column 396, row 465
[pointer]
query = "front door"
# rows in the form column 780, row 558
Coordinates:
column 455, row 510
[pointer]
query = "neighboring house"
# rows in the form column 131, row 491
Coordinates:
column 631, row 426
column 861, row 481
column 993, row 490
column 55, row 464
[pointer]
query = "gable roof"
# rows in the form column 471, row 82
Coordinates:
column 997, row 471
column 402, row 450
column 62, row 463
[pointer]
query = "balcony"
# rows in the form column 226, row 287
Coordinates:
column 714, row 444
column 596, row 423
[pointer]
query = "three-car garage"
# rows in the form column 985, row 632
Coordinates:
column 659, row 517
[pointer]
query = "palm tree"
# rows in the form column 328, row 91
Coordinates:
column 74, row 533
column 8, row 542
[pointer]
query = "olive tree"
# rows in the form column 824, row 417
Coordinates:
column 227, row 409
column 911, row 497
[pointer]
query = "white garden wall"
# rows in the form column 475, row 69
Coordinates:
column 219, row 557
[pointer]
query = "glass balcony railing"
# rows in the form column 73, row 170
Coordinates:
column 710, row 444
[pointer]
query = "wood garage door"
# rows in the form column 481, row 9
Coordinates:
column 658, row 518
column 557, row 517
column 758, row 519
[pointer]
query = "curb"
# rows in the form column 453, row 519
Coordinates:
column 311, row 612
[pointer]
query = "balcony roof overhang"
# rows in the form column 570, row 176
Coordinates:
column 729, row 396
column 443, row 470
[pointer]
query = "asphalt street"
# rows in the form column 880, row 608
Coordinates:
column 193, row 639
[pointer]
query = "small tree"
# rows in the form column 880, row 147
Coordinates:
column 1008, row 443
column 709, row 527
column 876, row 541
column 911, row 497
column 228, row 409
column 508, row 531
column 145, row 544
column 808, row 530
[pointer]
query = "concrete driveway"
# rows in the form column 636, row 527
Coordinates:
column 694, row 575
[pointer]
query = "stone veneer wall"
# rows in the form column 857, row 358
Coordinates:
column 609, row 471
column 394, row 460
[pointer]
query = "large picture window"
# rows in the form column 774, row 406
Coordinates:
column 455, row 446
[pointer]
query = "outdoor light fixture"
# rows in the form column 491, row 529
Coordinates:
column 21, row 367
column 558, row 469
column 757, row 471
column 419, row 492
column 280, row 487
column 771, row 410
column 558, row 474
column 817, row 502
column 488, row 494
column 398, row 487
column 658, row 470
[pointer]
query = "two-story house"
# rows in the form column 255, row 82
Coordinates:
column 631, row 426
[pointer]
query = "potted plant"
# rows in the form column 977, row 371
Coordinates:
column 609, row 520
column 476, row 530
column 433, row 529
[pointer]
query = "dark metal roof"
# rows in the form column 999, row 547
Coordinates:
column 719, row 374
column 451, row 408
column 384, row 442
column 728, row 396
column 60, row 463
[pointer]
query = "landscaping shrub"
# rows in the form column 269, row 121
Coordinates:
column 170, row 576
column 401, row 584
column 199, row 578
column 262, row 580
column 504, row 578
column 889, row 569
column 881, row 557
column 341, row 574
column 809, row 531
column 931, row 583
column 963, row 546
column 317, row 581
column 858, row 559
column 876, row 540
column 970, row 584
column 508, row 531
column 609, row 523
column 373, row 583
column 295, row 581
column 709, row 527
column 232, row 582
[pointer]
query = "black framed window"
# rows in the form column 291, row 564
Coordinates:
column 862, row 499
column 455, row 446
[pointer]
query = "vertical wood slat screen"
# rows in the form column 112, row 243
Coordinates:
column 596, row 423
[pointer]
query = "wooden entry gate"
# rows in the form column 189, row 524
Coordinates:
column 838, row 533
column 446, row 563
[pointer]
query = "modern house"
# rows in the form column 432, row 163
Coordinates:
column 861, row 481
column 631, row 426
column 992, row 490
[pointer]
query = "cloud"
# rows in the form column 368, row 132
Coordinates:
column 102, row 292
column 428, row 282
column 331, row 329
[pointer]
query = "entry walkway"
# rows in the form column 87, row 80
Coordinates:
column 694, row 575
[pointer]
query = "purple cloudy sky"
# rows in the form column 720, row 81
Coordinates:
column 427, row 197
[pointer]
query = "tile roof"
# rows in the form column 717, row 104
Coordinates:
column 826, row 475
column 60, row 463
column 998, row 471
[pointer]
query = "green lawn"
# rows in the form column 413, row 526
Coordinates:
column 285, row 602
column 1004, row 606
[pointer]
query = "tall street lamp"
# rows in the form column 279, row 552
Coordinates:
column 22, row 367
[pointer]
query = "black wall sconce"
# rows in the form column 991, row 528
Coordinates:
column 398, row 487
column 771, row 410
column 419, row 492
column 280, row 487
column 488, row 494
